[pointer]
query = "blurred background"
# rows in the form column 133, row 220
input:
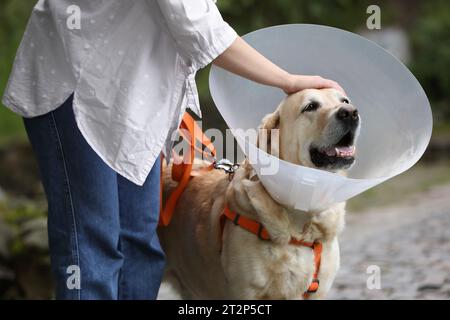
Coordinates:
column 401, row 226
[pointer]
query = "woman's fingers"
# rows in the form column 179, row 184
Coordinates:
column 300, row 82
column 327, row 83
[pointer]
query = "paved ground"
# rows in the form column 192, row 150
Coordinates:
column 409, row 242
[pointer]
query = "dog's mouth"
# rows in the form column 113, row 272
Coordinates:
column 340, row 155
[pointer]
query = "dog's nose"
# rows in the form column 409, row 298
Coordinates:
column 347, row 114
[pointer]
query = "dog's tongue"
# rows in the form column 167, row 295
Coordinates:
column 340, row 151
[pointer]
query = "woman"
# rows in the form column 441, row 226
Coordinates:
column 101, row 86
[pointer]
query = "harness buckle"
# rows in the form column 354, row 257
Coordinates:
column 226, row 165
column 314, row 286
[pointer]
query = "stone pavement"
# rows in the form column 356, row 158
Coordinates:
column 409, row 242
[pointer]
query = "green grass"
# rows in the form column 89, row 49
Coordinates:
column 418, row 179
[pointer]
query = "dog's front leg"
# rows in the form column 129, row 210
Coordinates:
column 273, row 216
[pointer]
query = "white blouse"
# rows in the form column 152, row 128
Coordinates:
column 131, row 65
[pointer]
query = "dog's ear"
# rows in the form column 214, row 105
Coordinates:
column 268, row 133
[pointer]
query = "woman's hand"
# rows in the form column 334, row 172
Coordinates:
column 240, row 58
column 295, row 82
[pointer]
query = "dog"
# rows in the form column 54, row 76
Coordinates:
column 317, row 129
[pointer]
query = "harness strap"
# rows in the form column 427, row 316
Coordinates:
column 258, row 229
column 314, row 286
column 182, row 170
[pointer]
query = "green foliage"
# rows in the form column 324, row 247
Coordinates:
column 13, row 18
column 249, row 15
column 17, row 211
column 24, row 258
column 431, row 44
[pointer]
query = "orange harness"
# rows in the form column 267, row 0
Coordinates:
column 182, row 169
column 258, row 229
column 182, row 172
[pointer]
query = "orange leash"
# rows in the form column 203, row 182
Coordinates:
column 182, row 170
column 258, row 229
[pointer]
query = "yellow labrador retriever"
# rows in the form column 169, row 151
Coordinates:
column 317, row 128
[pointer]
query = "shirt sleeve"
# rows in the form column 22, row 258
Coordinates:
column 198, row 30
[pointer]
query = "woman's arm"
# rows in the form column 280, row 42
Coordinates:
column 202, row 36
column 240, row 58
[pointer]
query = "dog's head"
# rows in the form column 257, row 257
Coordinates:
column 317, row 128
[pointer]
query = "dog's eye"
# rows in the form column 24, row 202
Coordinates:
column 312, row 106
column 345, row 100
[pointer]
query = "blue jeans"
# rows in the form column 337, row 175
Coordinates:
column 101, row 226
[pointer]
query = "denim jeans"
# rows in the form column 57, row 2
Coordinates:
column 101, row 226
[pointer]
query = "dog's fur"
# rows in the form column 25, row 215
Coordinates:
column 247, row 267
